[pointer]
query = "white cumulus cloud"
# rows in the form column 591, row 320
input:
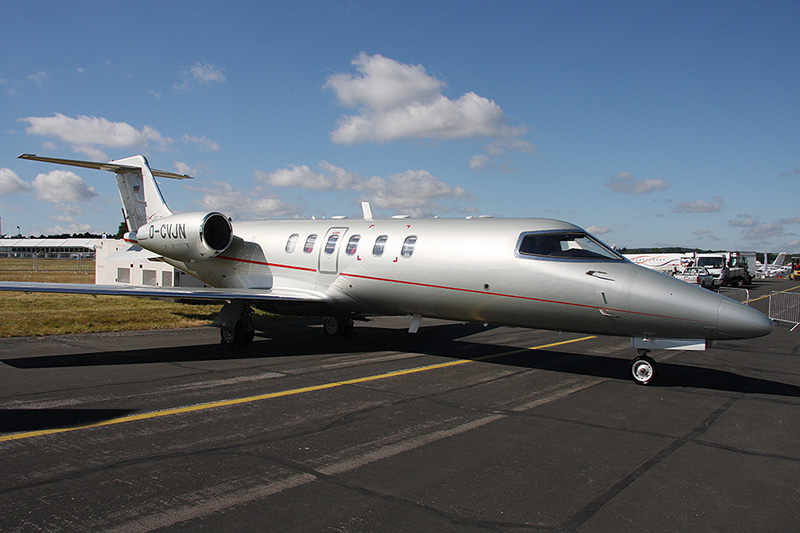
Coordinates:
column 413, row 191
column 764, row 231
column 396, row 101
column 624, row 182
column 598, row 230
column 221, row 196
column 61, row 187
column 10, row 183
column 700, row 206
column 200, row 74
column 87, row 134
column 202, row 142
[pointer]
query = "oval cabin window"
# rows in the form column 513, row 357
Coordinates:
column 292, row 243
column 380, row 245
column 352, row 245
column 408, row 246
column 309, row 245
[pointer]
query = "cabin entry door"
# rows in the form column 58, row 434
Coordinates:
column 329, row 250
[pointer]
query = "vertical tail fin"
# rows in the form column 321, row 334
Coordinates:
column 141, row 197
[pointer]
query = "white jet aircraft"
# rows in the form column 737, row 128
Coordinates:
column 533, row 273
column 776, row 268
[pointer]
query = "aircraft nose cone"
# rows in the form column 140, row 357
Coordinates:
column 738, row 321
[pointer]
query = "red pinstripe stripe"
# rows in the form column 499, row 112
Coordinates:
column 457, row 289
column 250, row 261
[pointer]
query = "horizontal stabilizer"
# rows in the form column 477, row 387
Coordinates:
column 111, row 167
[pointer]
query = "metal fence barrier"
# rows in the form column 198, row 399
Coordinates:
column 735, row 293
column 785, row 307
column 33, row 263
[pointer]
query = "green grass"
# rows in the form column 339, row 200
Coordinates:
column 32, row 314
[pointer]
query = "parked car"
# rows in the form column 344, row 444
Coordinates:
column 698, row 276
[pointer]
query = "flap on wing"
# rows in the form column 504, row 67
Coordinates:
column 183, row 293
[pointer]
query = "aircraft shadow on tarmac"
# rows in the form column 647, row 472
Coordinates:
column 447, row 340
column 20, row 420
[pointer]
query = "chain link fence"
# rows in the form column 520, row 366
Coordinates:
column 75, row 262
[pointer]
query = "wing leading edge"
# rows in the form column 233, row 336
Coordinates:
column 182, row 293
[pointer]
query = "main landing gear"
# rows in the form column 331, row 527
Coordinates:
column 239, row 333
column 643, row 368
column 337, row 326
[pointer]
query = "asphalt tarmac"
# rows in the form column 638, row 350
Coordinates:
column 459, row 427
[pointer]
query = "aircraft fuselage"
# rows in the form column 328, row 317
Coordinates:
column 469, row 270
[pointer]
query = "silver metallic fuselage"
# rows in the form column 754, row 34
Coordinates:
column 470, row 270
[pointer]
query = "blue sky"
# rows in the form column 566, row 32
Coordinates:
column 648, row 123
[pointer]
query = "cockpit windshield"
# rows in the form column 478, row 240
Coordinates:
column 565, row 245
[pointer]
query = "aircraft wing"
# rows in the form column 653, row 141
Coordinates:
column 180, row 293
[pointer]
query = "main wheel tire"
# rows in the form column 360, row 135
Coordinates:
column 245, row 332
column 643, row 370
column 337, row 326
column 227, row 336
column 241, row 334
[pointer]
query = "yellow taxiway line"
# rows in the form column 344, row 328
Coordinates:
column 260, row 397
column 767, row 295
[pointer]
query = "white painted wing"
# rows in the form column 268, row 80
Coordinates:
column 182, row 293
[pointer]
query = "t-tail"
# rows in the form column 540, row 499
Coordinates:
column 140, row 195
column 183, row 237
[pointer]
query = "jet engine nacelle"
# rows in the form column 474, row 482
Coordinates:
column 187, row 237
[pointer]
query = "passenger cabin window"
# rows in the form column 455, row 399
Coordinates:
column 352, row 245
column 408, row 246
column 380, row 244
column 330, row 246
column 292, row 243
column 565, row 245
column 309, row 246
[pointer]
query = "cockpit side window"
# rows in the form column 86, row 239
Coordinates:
column 565, row 245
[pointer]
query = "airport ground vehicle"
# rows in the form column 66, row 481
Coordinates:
column 727, row 268
column 698, row 276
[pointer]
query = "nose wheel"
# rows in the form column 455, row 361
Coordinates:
column 643, row 369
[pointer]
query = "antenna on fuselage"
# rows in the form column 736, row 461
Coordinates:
column 367, row 210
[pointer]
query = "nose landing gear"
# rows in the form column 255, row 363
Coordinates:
column 643, row 369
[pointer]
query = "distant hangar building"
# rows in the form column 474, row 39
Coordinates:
column 72, row 248
column 116, row 261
